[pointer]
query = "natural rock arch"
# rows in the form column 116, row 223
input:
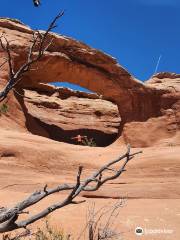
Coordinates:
column 71, row 61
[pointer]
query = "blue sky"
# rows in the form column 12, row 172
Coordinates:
column 136, row 32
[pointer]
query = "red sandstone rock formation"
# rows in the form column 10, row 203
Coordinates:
column 64, row 114
column 162, row 129
column 150, row 115
column 149, row 112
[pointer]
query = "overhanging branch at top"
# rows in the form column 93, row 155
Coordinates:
column 37, row 48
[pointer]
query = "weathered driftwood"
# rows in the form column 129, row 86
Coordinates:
column 9, row 217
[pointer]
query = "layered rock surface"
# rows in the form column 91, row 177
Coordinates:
column 64, row 114
column 165, row 128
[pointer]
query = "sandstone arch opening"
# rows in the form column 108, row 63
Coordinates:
column 71, row 86
column 61, row 114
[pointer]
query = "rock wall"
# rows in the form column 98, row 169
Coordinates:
column 165, row 128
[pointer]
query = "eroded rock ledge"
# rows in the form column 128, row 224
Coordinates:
column 63, row 114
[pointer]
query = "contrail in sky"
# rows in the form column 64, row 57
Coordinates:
column 158, row 64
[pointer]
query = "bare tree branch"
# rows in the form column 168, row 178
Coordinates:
column 39, row 45
column 6, row 48
column 9, row 217
column 2, row 64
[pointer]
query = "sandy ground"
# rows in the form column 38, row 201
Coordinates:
column 151, row 184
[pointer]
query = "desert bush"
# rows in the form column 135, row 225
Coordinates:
column 50, row 233
column 89, row 142
column 101, row 223
column 47, row 232
column 4, row 108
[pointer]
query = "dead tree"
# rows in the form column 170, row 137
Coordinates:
column 110, row 171
column 38, row 46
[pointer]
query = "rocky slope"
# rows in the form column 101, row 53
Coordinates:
column 150, row 186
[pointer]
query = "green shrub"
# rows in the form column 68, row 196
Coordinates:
column 89, row 142
column 4, row 108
